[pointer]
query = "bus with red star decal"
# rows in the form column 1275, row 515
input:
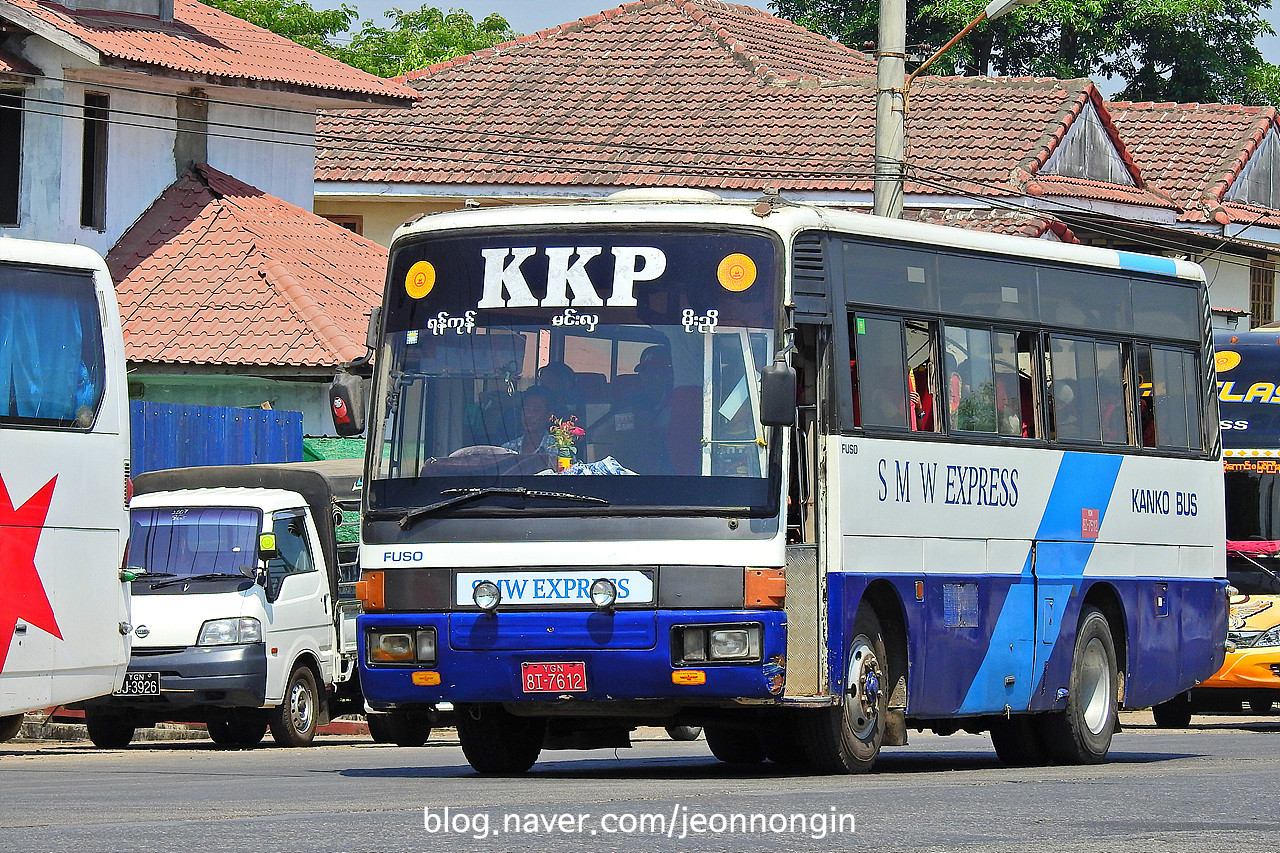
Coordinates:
column 64, row 480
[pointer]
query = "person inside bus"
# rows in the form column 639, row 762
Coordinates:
column 637, row 428
column 537, row 405
column 561, row 380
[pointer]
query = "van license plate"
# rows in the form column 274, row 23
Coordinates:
column 140, row 684
column 554, row 677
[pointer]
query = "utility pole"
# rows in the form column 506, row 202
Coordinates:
column 891, row 70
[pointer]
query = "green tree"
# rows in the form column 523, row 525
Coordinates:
column 414, row 40
column 420, row 38
column 1180, row 50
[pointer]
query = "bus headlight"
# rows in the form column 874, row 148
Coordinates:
column 730, row 644
column 229, row 632
column 709, row 644
column 603, row 593
column 390, row 647
column 487, row 596
column 426, row 642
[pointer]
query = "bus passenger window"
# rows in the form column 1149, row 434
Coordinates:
column 1111, row 395
column 1074, row 389
column 1176, row 391
column 921, row 378
column 1146, row 396
column 879, row 372
column 970, row 379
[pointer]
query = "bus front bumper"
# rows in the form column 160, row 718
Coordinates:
column 627, row 656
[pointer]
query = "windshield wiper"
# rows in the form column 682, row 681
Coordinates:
column 207, row 576
column 143, row 574
column 460, row 496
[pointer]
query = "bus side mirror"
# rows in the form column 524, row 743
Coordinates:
column 778, row 395
column 346, row 404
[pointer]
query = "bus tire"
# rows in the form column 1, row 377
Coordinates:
column 10, row 726
column 734, row 746
column 848, row 737
column 781, row 742
column 1018, row 743
column 238, row 728
column 399, row 728
column 1260, row 706
column 497, row 742
column 1174, row 714
column 293, row 721
column 108, row 731
column 684, row 732
column 1082, row 733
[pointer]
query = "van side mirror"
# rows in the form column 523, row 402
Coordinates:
column 346, row 403
column 778, row 395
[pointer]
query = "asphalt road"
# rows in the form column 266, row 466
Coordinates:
column 1213, row 787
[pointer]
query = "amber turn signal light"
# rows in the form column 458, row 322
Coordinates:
column 371, row 590
column 764, row 588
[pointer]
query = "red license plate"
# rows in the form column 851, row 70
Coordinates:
column 554, row 677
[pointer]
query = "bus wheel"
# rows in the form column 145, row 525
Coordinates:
column 1260, row 706
column 1174, row 714
column 108, row 731
column 1082, row 733
column 399, row 728
column 1018, row 743
column 238, row 728
column 10, row 726
column 781, row 742
column 497, row 742
column 293, row 721
column 847, row 738
column 734, row 746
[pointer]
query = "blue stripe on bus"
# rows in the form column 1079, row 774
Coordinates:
column 1146, row 263
column 1084, row 481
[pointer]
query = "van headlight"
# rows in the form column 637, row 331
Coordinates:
column 230, row 632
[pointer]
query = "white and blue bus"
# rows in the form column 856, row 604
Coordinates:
column 64, row 457
column 806, row 478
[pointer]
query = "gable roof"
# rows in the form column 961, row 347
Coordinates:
column 1195, row 152
column 201, row 44
column 218, row 272
column 700, row 93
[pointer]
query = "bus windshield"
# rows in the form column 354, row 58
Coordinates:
column 619, row 366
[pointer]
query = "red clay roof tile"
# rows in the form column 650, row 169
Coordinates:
column 218, row 272
column 1193, row 152
column 205, row 42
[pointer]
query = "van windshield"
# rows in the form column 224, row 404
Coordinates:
column 186, row 541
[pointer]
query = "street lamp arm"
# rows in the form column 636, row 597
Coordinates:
column 982, row 16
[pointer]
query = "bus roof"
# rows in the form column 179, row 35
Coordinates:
column 787, row 219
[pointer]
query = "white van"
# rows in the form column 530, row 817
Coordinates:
column 242, row 614
column 64, row 479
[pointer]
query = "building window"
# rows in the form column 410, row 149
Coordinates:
column 1262, row 292
column 10, row 155
column 93, row 175
column 347, row 221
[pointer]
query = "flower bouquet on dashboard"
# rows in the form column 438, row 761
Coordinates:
column 565, row 433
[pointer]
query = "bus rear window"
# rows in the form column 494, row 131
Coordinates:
column 51, row 356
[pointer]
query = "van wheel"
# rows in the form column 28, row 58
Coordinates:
column 1174, row 714
column 734, row 746
column 398, row 727
column 108, row 731
column 238, row 728
column 1082, row 733
column 10, row 726
column 847, row 738
column 497, row 742
column 293, row 721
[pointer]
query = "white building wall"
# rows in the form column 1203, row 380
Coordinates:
column 273, row 150
column 1228, row 279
